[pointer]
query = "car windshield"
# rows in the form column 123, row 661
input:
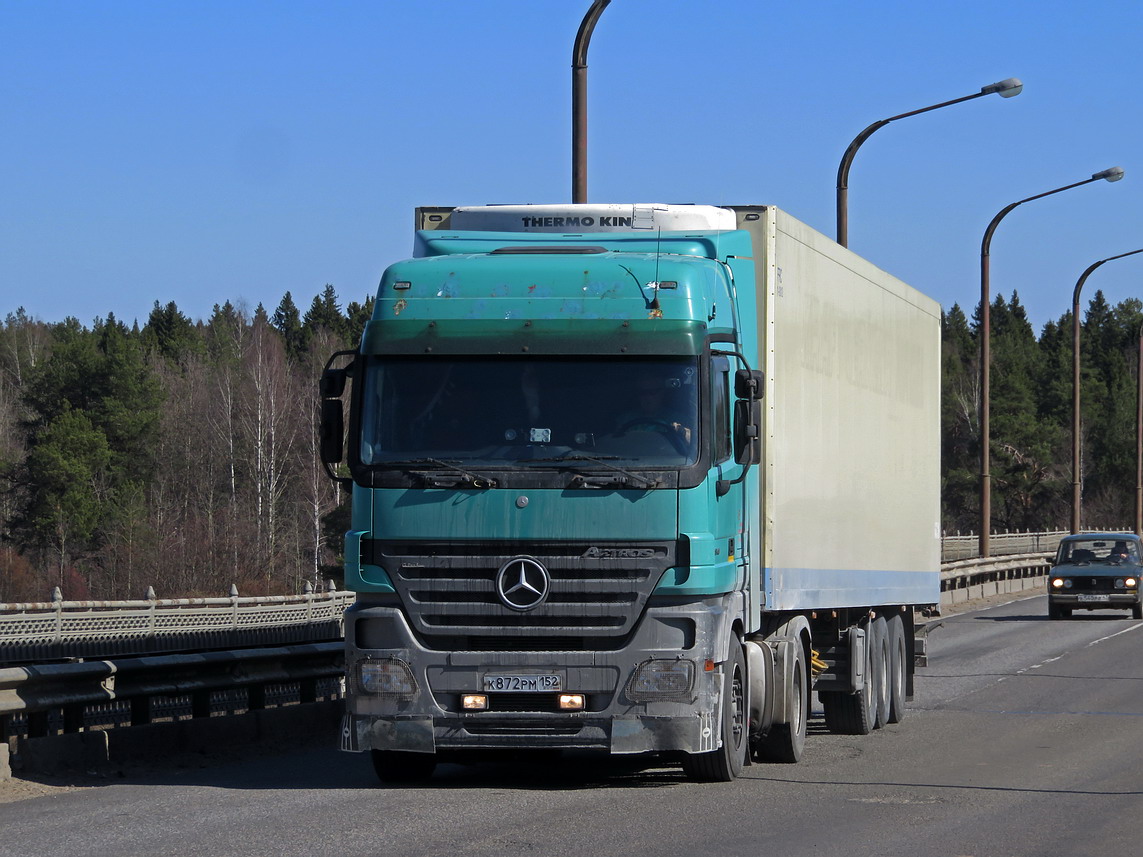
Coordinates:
column 530, row 411
column 1098, row 550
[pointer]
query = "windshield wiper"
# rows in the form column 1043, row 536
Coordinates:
column 451, row 479
column 620, row 477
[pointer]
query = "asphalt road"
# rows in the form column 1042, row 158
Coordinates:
column 1023, row 739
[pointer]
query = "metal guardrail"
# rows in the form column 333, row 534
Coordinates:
column 978, row 577
column 76, row 629
column 30, row 695
column 1002, row 544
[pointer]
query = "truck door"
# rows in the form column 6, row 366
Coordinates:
column 728, row 518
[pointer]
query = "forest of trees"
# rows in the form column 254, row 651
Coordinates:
column 1031, row 417
column 183, row 455
column 179, row 455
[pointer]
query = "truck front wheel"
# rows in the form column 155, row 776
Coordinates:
column 725, row 763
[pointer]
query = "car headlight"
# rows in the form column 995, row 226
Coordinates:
column 1120, row 583
column 1057, row 582
column 661, row 679
column 1067, row 583
column 1131, row 582
column 388, row 677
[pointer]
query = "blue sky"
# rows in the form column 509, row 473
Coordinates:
column 206, row 151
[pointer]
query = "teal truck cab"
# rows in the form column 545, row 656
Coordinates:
column 634, row 479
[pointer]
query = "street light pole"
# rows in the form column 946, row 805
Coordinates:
column 579, row 100
column 1113, row 174
column 1076, row 481
column 1139, row 443
column 1004, row 88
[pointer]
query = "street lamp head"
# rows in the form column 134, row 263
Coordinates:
column 1113, row 174
column 1004, row 88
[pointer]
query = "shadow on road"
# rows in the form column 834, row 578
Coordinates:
column 325, row 768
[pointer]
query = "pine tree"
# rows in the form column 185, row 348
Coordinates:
column 960, row 423
column 171, row 334
column 287, row 321
column 325, row 314
column 357, row 316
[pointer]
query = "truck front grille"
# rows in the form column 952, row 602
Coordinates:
column 597, row 592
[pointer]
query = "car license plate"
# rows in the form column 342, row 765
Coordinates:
column 1087, row 599
column 522, row 683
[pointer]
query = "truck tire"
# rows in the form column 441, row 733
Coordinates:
column 854, row 713
column 786, row 742
column 898, row 664
column 881, row 673
column 396, row 766
column 725, row 763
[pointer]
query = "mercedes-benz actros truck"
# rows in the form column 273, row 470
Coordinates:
column 632, row 479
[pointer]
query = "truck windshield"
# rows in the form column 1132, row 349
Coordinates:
column 530, row 411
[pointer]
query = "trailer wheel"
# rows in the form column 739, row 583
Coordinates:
column 725, row 763
column 396, row 766
column 898, row 656
column 786, row 742
column 882, row 670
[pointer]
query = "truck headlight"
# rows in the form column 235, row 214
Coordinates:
column 387, row 677
column 661, row 679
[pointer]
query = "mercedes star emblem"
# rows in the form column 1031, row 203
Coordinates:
column 523, row 583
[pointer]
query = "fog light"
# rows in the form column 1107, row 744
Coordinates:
column 387, row 677
column 661, row 679
column 571, row 701
column 474, row 702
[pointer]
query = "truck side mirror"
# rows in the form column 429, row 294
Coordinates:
column 747, row 431
column 331, row 430
column 748, row 384
column 332, row 383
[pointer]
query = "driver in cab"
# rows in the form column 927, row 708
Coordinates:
column 655, row 410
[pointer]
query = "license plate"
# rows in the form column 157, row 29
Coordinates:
column 522, row 683
column 1086, row 599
